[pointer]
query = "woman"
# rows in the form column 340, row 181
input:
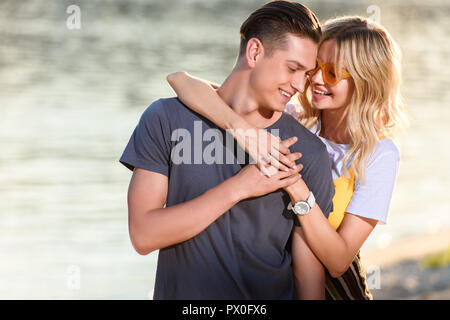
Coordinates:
column 352, row 103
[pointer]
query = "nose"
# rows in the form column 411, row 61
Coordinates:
column 317, row 77
column 298, row 83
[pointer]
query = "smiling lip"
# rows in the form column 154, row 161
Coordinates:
column 321, row 92
column 318, row 94
column 285, row 94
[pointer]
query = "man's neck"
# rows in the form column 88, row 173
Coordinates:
column 236, row 92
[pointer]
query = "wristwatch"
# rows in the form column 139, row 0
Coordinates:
column 303, row 207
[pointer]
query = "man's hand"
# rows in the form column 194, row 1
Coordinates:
column 250, row 182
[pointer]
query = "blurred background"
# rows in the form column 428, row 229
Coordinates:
column 70, row 99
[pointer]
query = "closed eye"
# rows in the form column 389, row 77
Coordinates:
column 291, row 70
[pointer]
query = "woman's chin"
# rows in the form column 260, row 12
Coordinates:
column 320, row 106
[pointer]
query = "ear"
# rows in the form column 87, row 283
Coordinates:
column 254, row 52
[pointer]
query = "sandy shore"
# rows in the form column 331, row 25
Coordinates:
column 396, row 272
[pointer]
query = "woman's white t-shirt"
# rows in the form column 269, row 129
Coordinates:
column 372, row 198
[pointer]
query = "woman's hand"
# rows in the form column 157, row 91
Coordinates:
column 268, row 151
column 250, row 182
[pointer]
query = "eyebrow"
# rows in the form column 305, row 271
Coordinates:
column 299, row 65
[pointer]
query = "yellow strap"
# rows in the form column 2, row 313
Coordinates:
column 344, row 188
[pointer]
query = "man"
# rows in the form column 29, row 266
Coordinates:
column 213, row 245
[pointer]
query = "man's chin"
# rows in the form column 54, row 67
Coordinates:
column 280, row 107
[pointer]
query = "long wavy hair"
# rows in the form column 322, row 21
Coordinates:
column 376, row 109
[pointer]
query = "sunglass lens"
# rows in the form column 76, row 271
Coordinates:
column 329, row 75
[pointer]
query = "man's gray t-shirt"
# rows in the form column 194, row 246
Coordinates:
column 245, row 253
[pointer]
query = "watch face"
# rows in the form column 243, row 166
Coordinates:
column 301, row 208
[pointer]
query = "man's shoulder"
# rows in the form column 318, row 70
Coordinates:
column 170, row 108
column 306, row 139
column 163, row 106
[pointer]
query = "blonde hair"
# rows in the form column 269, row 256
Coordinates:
column 376, row 109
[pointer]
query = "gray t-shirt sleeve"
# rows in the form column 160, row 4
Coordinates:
column 149, row 145
column 322, row 186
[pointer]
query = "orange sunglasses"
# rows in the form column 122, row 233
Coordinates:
column 328, row 73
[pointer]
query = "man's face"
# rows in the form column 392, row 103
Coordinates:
column 277, row 78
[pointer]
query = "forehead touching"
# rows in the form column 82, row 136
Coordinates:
column 327, row 51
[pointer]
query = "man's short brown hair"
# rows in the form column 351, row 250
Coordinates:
column 273, row 21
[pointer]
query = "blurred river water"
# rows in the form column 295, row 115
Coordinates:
column 70, row 99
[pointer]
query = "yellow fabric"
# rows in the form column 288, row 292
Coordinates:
column 344, row 188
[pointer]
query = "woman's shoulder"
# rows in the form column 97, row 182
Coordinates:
column 385, row 149
column 387, row 145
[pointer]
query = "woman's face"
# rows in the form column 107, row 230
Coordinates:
column 325, row 96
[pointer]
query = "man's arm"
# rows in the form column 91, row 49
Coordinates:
column 153, row 227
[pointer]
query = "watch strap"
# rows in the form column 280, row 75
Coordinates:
column 310, row 201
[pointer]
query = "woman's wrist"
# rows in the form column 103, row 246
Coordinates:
column 298, row 191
